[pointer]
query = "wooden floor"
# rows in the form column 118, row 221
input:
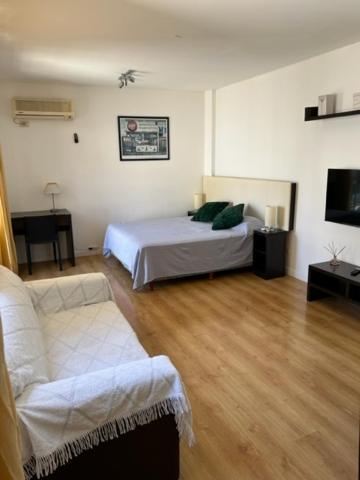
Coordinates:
column 274, row 381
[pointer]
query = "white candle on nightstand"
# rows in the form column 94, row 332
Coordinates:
column 277, row 219
column 199, row 199
column 270, row 212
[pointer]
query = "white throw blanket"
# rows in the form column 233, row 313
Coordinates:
column 63, row 418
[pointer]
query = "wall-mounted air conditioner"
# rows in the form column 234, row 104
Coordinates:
column 45, row 108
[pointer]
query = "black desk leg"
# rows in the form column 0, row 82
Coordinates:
column 70, row 245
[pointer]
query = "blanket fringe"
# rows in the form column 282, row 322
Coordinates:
column 178, row 406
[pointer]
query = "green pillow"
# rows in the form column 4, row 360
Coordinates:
column 208, row 211
column 228, row 218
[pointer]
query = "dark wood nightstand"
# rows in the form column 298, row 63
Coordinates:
column 191, row 213
column 269, row 253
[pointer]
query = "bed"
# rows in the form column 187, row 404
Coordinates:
column 173, row 247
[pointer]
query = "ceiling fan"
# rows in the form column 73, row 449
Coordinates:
column 128, row 76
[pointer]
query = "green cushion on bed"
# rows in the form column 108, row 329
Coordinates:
column 208, row 211
column 228, row 218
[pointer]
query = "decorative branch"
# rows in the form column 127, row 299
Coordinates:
column 335, row 251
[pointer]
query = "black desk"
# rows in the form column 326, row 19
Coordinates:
column 63, row 222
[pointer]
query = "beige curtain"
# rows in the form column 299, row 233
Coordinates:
column 10, row 456
column 7, row 245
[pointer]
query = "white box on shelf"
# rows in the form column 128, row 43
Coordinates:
column 327, row 104
column 356, row 101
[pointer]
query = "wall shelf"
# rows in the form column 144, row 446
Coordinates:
column 311, row 113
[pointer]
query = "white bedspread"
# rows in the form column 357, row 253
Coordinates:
column 101, row 381
column 63, row 418
column 171, row 247
column 88, row 338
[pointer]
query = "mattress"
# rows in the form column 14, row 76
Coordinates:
column 172, row 247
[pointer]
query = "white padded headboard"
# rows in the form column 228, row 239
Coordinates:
column 256, row 193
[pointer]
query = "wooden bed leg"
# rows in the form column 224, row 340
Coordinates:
column 152, row 286
column 211, row 275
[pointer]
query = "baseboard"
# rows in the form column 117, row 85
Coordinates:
column 87, row 253
column 78, row 253
column 293, row 273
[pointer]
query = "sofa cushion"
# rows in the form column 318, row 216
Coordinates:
column 23, row 340
column 52, row 295
column 88, row 338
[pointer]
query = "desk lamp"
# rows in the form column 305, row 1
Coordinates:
column 52, row 188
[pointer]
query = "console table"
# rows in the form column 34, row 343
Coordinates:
column 324, row 280
column 63, row 223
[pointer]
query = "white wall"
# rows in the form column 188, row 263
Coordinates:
column 261, row 133
column 209, row 131
column 97, row 187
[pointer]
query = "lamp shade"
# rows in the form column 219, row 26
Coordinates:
column 277, row 217
column 52, row 188
column 199, row 199
column 270, row 214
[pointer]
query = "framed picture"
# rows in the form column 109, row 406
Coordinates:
column 143, row 138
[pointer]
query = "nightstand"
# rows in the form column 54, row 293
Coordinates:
column 191, row 213
column 269, row 253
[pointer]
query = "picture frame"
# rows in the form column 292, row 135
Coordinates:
column 143, row 138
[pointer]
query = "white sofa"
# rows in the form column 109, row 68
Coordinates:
column 79, row 374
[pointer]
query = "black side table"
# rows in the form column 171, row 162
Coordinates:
column 324, row 280
column 269, row 253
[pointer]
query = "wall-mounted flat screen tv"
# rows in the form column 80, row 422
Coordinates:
column 343, row 197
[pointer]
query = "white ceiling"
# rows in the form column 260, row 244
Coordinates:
column 189, row 44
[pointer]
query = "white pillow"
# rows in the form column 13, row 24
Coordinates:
column 23, row 340
column 249, row 224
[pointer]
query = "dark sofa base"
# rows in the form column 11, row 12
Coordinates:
column 150, row 452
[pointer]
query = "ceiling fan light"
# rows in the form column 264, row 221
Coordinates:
column 128, row 76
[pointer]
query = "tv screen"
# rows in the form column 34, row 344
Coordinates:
column 343, row 197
